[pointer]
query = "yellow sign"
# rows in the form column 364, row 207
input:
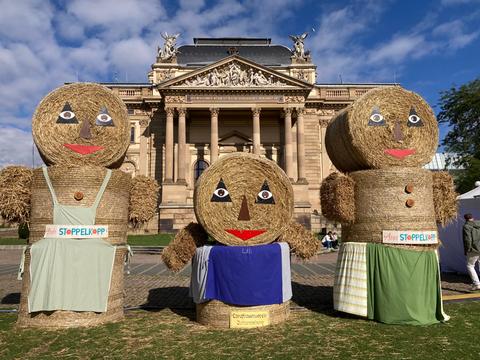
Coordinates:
column 245, row 319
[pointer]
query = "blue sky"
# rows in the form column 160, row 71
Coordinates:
column 427, row 46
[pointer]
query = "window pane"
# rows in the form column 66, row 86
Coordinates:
column 132, row 135
column 200, row 166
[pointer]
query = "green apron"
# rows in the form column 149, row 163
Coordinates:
column 403, row 286
column 71, row 274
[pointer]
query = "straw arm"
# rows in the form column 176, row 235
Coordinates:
column 302, row 242
column 182, row 248
column 444, row 197
column 143, row 199
column 337, row 195
column 15, row 193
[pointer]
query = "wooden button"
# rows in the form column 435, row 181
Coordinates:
column 410, row 203
column 78, row 195
column 409, row 188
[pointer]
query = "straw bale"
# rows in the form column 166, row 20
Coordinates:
column 244, row 176
column 216, row 314
column 337, row 198
column 69, row 319
column 354, row 145
column 444, row 197
column 15, row 193
column 66, row 181
column 182, row 248
column 143, row 199
column 380, row 203
column 86, row 101
column 303, row 243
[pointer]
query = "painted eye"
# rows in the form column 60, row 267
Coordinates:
column 221, row 193
column 265, row 196
column 376, row 118
column 103, row 118
column 67, row 116
column 414, row 119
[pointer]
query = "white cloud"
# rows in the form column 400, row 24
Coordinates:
column 132, row 57
column 16, row 147
column 116, row 19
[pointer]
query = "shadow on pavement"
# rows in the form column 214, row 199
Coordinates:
column 174, row 298
column 11, row 299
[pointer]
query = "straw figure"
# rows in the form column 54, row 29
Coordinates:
column 389, row 207
column 78, row 208
column 243, row 203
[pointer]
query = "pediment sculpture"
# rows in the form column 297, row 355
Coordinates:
column 235, row 74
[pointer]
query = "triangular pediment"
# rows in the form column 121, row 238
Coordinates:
column 235, row 72
column 234, row 137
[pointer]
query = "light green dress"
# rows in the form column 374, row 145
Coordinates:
column 71, row 274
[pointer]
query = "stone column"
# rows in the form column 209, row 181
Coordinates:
column 300, row 147
column 182, row 140
column 288, row 150
column 143, row 161
column 213, row 134
column 256, row 130
column 169, row 146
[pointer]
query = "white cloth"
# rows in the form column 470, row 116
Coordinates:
column 472, row 259
column 198, row 279
column 350, row 285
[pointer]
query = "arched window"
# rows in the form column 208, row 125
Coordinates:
column 199, row 168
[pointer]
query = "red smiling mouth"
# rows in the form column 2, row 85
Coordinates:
column 400, row 153
column 83, row 149
column 245, row 234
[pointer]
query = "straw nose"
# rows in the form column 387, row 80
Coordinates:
column 85, row 132
column 244, row 214
column 397, row 132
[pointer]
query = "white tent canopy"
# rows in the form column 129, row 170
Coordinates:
column 452, row 257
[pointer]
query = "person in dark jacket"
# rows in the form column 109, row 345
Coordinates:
column 471, row 245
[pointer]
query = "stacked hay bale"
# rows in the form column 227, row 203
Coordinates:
column 241, row 200
column 81, row 130
column 16, row 194
column 381, row 143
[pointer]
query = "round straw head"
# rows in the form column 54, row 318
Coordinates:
column 243, row 199
column 386, row 127
column 81, row 124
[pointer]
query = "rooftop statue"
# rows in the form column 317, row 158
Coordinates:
column 169, row 49
column 298, row 50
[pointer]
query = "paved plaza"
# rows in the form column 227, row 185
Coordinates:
column 150, row 284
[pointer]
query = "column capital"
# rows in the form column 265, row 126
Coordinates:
column 170, row 111
column 181, row 111
column 214, row 111
column 300, row 110
column 256, row 111
column 144, row 123
column 287, row 111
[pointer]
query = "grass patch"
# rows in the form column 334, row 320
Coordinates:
column 12, row 241
column 307, row 335
column 134, row 240
column 150, row 240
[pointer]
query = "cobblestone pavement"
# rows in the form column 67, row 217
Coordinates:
column 151, row 284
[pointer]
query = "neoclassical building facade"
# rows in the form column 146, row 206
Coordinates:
column 221, row 95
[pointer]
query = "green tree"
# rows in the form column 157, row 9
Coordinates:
column 460, row 109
